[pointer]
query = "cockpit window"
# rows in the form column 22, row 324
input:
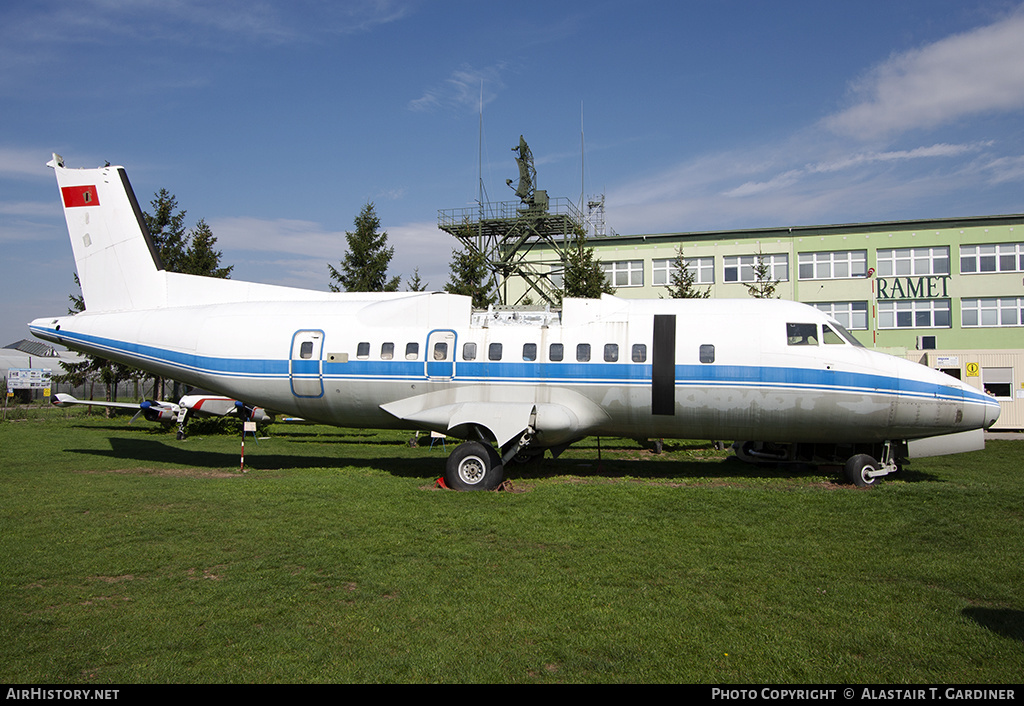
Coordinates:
column 830, row 337
column 802, row 334
column 847, row 336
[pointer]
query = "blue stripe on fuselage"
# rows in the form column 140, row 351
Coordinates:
column 625, row 373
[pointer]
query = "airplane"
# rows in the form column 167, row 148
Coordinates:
column 168, row 413
column 782, row 378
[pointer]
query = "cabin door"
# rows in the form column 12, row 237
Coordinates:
column 663, row 365
column 305, row 367
column 440, row 355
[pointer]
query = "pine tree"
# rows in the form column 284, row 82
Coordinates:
column 201, row 258
column 763, row 286
column 682, row 282
column 167, row 227
column 584, row 277
column 365, row 265
column 470, row 277
column 415, row 284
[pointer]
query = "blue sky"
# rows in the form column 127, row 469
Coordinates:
column 277, row 121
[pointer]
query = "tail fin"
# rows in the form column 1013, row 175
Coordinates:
column 118, row 264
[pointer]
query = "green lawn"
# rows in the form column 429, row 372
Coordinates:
column 129, row 557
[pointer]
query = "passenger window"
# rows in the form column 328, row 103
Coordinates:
column 802, row 334
column 639, row 353
column 387, row 351
column 306, row 350
column 583, row 352
column 494, row 351
column 556, row 352
column 412, row 351
column 363, row 350
column 707, row 353
column 469, row 351
column 830, row 337
column 611, row 352
column 529, row 351
column 440, row 351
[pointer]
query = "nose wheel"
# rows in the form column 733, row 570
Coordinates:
column 864, row 471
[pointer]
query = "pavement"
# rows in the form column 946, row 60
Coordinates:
column 1006, row 435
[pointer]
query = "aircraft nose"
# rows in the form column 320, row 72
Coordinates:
column 991, row 415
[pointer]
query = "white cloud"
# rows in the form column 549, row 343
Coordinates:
column 307, row 247
column 22, row 162
column 462, row 90
column 977, row 72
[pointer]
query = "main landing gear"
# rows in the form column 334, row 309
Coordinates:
column 474, row 465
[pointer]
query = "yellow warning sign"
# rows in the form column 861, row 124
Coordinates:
column 973, row 370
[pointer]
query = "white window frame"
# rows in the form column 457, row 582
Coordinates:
column 853, row 316
column 742, row 267
column 624, row 273
column 839, row 264
column 992, row 312
column 990, row 258
column 1002, row 376
column 912, row 262
column 913, row 314
column 703, row 269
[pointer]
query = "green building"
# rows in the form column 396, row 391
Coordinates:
column 948, row 293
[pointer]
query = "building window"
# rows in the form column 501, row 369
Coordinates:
column 914, row 313
column 1004, row 257
column 852, row 315
column 741, row 268
column 901, row 262
column 702, row 268
column 833, row 265
column 998, row 382
column 1002, row 311
column 626, row 273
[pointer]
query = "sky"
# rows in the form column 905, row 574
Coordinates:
column 277, row 121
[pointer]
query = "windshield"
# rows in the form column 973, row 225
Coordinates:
column 845, row 334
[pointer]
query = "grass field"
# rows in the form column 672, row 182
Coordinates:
column 129, row 557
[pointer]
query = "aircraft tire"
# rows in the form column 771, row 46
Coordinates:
column 857, row 468
column 473, row 466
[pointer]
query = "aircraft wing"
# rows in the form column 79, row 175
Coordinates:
column 567, row 416
column 64, row 400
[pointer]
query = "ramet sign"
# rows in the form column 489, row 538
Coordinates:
column 931, row 287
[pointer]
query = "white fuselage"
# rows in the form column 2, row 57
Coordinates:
column 350, row 363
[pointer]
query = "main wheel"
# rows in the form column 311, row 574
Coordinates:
column 473, row 466
column 858, row 469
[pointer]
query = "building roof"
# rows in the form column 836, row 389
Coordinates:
column 787, row 231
